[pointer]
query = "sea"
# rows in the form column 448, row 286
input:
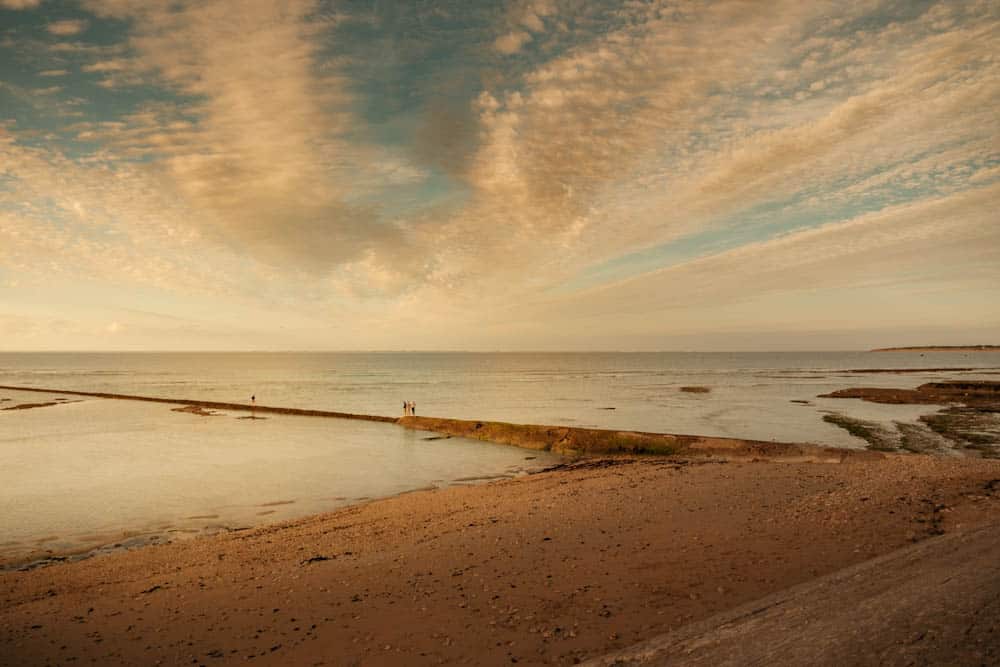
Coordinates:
column 85, row 475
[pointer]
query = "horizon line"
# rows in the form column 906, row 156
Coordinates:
column 472, row 351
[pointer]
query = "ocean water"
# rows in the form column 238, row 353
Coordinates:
column 88, row 472
column 750, row 393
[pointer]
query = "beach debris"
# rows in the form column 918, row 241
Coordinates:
column 153, row 589
column 275, row 503
column 317, row 559
column 196, row 410
column 695, row 389
column 29, row 406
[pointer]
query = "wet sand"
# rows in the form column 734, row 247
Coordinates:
column 550, row 569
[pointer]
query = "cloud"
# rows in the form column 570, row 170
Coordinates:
column 522, row 19
column 511, row 42
column 718, row 152
column 20, row 4
column 115, row 65
column 263, row 152
column 67, row 27
column 53, row 72
column 65, row 220
column 119, row 72
column 628, row 131
column 889, row 247
column 657, row 132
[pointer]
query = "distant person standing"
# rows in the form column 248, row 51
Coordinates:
column 406, row 408
column 413, row 408
column 253, row 405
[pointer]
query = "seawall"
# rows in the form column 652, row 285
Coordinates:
column 214, row 405
column 590, row 441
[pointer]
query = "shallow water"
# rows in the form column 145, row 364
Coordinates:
column 81, row 472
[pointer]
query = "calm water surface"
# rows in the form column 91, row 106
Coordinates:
column 750, row 392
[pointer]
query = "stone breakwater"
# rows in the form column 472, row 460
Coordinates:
column 212, row 405
column 586, row 441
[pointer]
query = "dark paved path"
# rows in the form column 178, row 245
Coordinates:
column 936, row 602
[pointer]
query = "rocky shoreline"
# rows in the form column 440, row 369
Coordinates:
column 968, row 420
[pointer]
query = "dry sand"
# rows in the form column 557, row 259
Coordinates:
column 555, row 568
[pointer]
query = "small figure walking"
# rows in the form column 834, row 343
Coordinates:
column 253, row 405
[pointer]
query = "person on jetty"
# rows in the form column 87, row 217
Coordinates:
column 406, row 408
column 413, row 408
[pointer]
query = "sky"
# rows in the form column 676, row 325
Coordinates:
column 524, row 175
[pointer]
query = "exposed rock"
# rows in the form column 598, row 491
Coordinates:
column 978, row 393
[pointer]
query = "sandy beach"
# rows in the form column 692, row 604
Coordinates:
column 555, row 568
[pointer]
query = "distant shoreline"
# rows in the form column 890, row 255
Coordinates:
column 941, row 348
